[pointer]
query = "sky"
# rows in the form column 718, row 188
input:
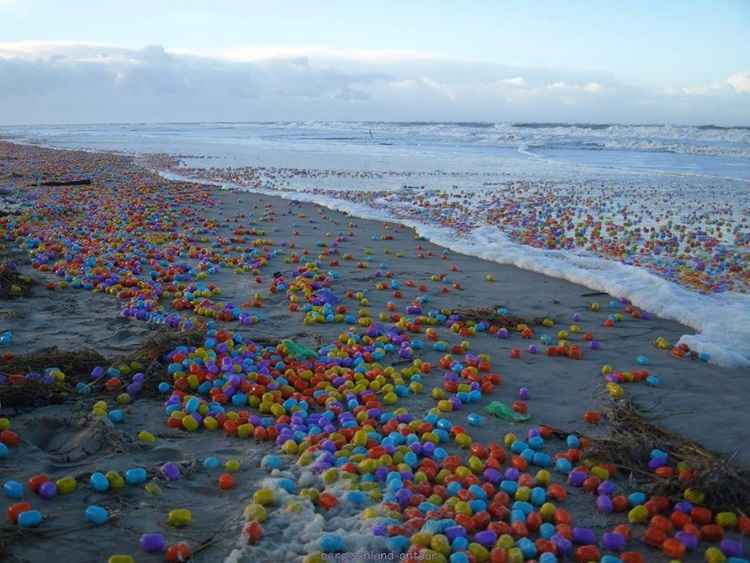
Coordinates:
column 631, row 61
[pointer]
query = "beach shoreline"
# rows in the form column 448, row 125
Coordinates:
column 238, row 241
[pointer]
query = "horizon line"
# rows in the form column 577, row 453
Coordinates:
column 582, row 124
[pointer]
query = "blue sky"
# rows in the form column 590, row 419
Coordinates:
column 614, row 60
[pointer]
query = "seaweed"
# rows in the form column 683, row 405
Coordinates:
column 73, row 364
column 13, row 284
column 32, row 393
column 162, row 341
column 152, row 353
column 489, row 315
column 77, row 366
column 723, row 481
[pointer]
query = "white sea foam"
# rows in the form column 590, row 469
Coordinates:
column 299, row 531
column 678, row 139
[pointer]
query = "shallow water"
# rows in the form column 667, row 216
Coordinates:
column 530, row 152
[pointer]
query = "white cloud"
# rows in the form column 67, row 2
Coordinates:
column 589, row 87
column 44, row 50
column 265, row 52
column 53, row 82
column 702, row 90
column 443, row 89
column 593, row 88
column 740, row 81
column 517, row 81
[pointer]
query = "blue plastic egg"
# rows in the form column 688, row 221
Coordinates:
column 135, row 476
column 99, row 482
column 13, row 489
column 29, row 519
column 96, row 514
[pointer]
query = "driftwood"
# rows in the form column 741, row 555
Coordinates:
column 76, row 182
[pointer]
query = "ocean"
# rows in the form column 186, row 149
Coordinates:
column 529, row 150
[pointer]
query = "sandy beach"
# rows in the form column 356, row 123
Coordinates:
column 129, row 259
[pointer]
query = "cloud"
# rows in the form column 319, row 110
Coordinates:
column 593, row 88
column 731, row 89
column 53, row 82
column 702, row 90
column 590, row 87
column 265, row 52
column 517, row 81
column 740, row 81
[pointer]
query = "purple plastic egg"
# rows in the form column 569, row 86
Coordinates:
column 512, row 474
column 684, row 506
column 47, row 490
column 170, row 471
column 403, row 496
column 731, row 548
column 584, row 536
column 604, row 504
column 454, row 532
column 690, row 541
column 487, row 538
column 492, row 475
column 563, row 544
column 153, row 543
column 612, row 541
column 606, row 488
column 576, row 478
